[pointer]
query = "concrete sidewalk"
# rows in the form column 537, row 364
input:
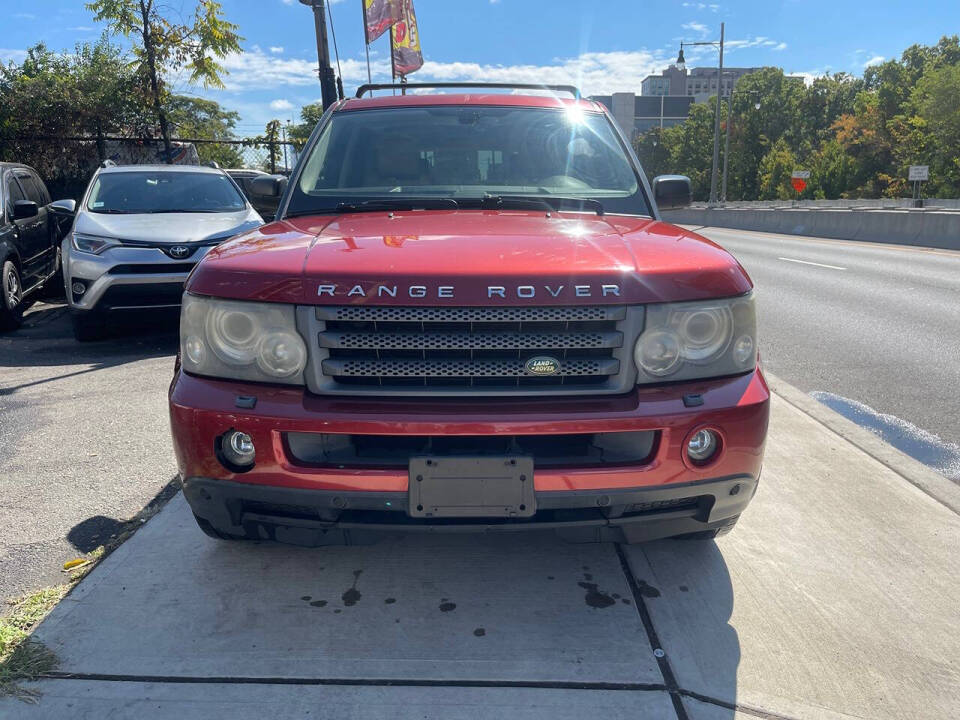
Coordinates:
column 838, row 595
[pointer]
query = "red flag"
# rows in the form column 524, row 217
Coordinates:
column 380, row 15
column 407, row 56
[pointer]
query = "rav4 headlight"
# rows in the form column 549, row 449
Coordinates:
column 241, row 340
column 92, row 244
column 692, row 340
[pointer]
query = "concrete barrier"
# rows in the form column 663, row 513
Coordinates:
column 926, row 228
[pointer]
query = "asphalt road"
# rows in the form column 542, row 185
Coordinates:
column 84, row 440
column 871, row 330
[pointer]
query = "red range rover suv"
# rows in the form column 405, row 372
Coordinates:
column 468, row 316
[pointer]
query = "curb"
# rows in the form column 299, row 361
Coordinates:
column 940, row 488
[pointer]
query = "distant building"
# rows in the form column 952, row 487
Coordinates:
column 699, row 83
column 636, row 114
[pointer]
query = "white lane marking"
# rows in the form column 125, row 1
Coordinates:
column 807, row 262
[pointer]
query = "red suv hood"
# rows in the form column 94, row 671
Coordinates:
column 469, row 258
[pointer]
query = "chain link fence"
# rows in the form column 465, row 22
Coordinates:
column 66, row 163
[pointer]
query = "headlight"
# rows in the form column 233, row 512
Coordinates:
column 92, row 244
column 687, row 341
column 241, row 340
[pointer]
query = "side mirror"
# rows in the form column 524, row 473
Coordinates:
column 672, row 191
column 268, row 185
column 23, row 209
column 64, row 207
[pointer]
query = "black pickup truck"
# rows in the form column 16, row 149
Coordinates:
column 29, row 234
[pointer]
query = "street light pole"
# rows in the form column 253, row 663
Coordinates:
column 716, row 117
column 716, row 126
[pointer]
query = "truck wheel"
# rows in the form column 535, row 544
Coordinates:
column 87, row 327
column 210, row 531
column 11, row 302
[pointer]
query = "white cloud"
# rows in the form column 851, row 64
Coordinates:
column 281, row 104
column 696, row 27
column 10, row 55
column 781, row 46
column 594, row 73
column 276, row 49
column 875, row 60
column 712, row 7
column 810, row 75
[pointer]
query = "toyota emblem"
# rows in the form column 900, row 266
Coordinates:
column 179, row 251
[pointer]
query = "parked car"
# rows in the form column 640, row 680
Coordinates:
column 266, row 205
column 469, row 315
column 138, row 232
column 29, row 255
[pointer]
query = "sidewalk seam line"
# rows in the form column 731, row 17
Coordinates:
column 662, row 662
column 357, row 682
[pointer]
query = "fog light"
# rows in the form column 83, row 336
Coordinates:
column 237, row 449
column 703, row 446
column 78, row 287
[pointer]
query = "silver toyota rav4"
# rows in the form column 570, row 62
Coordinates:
column 138, row 232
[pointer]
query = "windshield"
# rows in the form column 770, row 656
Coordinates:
column 467, row 153
column 164, row 192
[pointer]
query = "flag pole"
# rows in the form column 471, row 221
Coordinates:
column 393, row 66
column 366, row 45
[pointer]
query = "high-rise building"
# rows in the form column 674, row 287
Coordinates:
column 636, row 114
column 699, row 83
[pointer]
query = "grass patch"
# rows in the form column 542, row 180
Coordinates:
column 21, row 658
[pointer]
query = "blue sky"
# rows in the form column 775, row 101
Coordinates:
column 602, row 45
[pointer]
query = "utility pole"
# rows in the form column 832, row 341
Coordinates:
column 328, row 81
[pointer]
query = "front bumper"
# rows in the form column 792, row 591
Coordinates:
column 294, row 502
column 126, row 277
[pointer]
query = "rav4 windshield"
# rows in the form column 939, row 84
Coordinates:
column 467, row 153
column 163, row 192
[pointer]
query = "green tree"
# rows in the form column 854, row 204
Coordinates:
column 936, row 100
column 776, row 168
column 163, row 45
column 309, row 115
column 271, row 140
column 201, row 119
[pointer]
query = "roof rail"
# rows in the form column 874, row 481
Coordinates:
column 369, row 88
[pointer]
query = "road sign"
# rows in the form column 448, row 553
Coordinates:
column 919, row 172
column 799, row 184
column 801, row 174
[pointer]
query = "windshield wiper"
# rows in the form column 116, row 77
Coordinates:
column 538, row 202
column 431, row 203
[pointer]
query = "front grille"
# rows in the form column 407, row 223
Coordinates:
column 470, row 350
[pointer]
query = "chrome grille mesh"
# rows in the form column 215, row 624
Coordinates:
column 387, row 350
column 470, row 314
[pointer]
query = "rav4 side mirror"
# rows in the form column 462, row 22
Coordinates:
column 64, row 207
column 23, row 209
column 672, row 191
column 268, row 185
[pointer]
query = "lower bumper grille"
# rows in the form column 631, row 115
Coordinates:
column 471, row 350
column 395, row 451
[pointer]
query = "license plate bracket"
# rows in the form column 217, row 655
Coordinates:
column 471, row 486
